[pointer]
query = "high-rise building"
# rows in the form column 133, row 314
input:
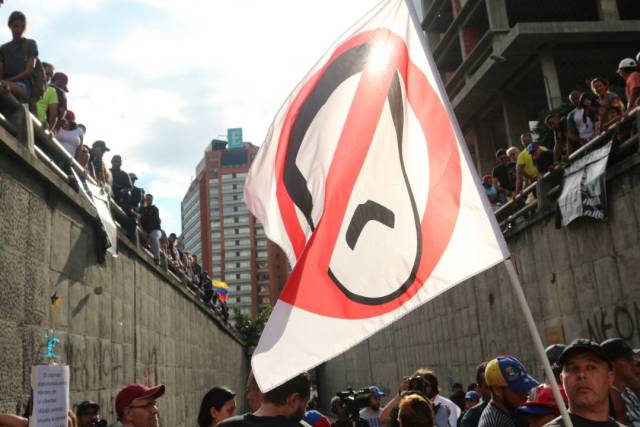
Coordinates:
column 227, row 239
column 506, row 63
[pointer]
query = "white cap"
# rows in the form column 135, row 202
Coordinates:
column 627, row 63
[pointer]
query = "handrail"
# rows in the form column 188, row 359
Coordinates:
column 601, row 138
column 46, row 145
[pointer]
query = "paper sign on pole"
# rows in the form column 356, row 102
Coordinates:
column 50, row 384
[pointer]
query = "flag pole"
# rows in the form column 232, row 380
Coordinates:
column 513, row 275
column 537, row 341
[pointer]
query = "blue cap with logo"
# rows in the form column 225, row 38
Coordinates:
column 375, row 391
column 507, row 371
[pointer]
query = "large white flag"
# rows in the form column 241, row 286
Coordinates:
column 364, row 182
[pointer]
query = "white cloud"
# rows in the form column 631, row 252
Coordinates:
column 119, row 113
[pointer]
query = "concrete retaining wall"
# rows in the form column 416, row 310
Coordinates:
column 582, row 281
column 120, row 322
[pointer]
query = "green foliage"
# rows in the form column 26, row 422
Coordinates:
column 248, row 328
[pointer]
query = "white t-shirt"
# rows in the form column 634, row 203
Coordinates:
column 70, row 139
column 585, row 127
column 452, row 409
column 371, row 416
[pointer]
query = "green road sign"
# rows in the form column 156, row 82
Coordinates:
column 234, row 138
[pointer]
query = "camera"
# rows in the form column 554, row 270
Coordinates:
column 352, row 401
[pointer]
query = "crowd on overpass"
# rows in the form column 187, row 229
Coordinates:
column 599, row 384
column 588, row 115
column 44, row 90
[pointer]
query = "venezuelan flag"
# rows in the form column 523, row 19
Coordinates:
column 222, row 289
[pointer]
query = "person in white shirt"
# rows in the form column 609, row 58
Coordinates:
column 70, row 134
column 433, row 393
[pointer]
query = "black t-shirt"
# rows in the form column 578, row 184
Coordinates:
column 250, row 420
column 149, row 218
column 583, row 422
column 506, row 175
column 14, row 54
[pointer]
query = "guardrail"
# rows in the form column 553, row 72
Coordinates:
column 24, row 126
column 547, row 188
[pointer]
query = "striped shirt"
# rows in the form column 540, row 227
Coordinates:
column 371, row 416
column 632, row 405
column 492, row 416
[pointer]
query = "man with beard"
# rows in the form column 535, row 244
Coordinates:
column 371, row 413
column 284, row 406
column 625, row 407
column 587, row 375
column 510, row 385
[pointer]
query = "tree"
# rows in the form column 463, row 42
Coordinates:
column 248, row 328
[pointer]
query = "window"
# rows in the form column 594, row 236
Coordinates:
column 237, row 276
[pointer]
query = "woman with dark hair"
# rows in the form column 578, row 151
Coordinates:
column 70, row 134
column 217, row 405
column 606, row 99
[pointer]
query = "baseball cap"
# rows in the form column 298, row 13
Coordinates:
column 133, row 176
column 543, row 403
column 471, row 395
column 101, row 144
column 532, row 147
column 375, row 391
column 62, row 80
column 554, row 351
column 583, row 344
column 627, row 63
column 70, row 116
column 507, row 371
column 616, row 348
column 316, row 419
column 131, row 392
column 87, row 406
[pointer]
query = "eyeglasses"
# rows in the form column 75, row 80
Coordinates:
column 146, row 406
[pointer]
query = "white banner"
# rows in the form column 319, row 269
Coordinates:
column 584, row 187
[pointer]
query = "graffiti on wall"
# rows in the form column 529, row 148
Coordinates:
column 622, row 320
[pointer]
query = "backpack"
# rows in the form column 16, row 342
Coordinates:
column 38, row 77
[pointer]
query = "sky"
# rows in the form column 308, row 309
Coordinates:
column 157, row 80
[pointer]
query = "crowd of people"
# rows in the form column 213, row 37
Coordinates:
column 44, row 90
column 591, row 114
column 599, row 384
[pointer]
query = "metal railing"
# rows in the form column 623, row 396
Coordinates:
column 548, row 187
column 18, row 121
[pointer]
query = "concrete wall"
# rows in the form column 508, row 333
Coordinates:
column 120, row 322
column 581, row 281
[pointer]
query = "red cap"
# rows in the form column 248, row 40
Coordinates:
column 131, row 392
column 543, row 401
column 70, row 116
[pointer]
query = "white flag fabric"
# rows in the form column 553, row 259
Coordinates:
column 365, row 183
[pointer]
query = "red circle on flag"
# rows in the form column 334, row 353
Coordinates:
column 310, row 287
